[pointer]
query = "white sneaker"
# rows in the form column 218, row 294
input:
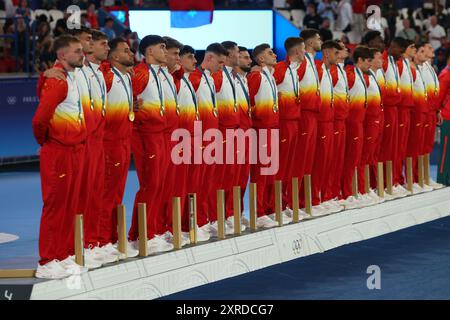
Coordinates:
column 332, row 206
column 168, row 236
column 427, row 188
column 110, row 249
column 365, row 200
column 132, row 252
column 399, row 191
column 185, row 238
column 158, row 244
column 230, row 223
column 214, row 229
column 435, row 185
column 350, row 203
column 288, row 212
column 265, row 222
column 72, row 267
column 51, row 270
column 100, row 255
column 202, row 234
column 374, row 196
column 245, row 222
column 286, row 219
column 417, row 188
column 319, row 210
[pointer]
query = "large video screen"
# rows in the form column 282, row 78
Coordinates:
column 248, row 28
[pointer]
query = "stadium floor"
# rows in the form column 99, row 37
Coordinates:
column 414, row 262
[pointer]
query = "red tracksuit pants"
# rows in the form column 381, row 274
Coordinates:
column 429, row 132
column 416, row 139
column 265, row 184
column 91, row 192
column 174, row 186
column 304, row 151
column 150, row 158
column 353, row 150
column 373, row 128
column 322, row 160
column 61, row 170
column 117, row 163
column 244, row 173
column 404, row 120
column 333, row 187
column 288, row 144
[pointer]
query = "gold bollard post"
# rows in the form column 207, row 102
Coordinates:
column 409, row 174
column 380, row 179
column 278, row 203
column 355, row 183
column 237, row 209
column 79, row 240
column 253, row 206
column 221, row 213
column 367, row 179
column 426, row 168
column 420, row 170
column 122, row 229
column 142, row 216
column 176, row 222
column 295, row 203
column 307, row 187
column 192, row 217
column 389, row 176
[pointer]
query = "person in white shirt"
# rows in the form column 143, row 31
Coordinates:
column 436, row 34
column 345, row 16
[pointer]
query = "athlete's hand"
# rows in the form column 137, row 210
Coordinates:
column 440, row 120
column 55, row 73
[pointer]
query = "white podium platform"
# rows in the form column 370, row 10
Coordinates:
column 159, row 275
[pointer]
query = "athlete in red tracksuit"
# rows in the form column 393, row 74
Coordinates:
column 245, row 117
column 325, row 125
column 357, row 82
column 407, row 78
column 205, row 90
column 373, row 123
column 227, row 104
column 117, row 137
column 59, row 127
column 148, row 142
column 341, row 100
column 264, row 101
column 286, row 78
column 391, row 100
column 310, row 106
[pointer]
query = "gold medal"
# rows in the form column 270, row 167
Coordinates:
column 177, row 109
column 161, row 111
column 92, row 104
column 197, row 116
column 216, row 114
column 103, row 112
column 235, row 107
column 398, row 89
column 131, row 116
column 435, row 91
column 318, row 92
column 275, row 108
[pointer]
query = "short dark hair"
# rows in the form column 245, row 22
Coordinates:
column 421, row 44
column 401, row 42
column 229, row 45
column 308, row 33
column 331, row 44
column 148, row 41
column 108, row 19
column 362, row 52
column 242, row 49
column 64, row 41
column 186, row 50
column 217, row 48
column 373, row 51
column 172, row 43
column 369, row 36
column 409, row 42
column 259, row 49
column 291, row 42
column 98, row 35
column 114, row 43
column 78, row 31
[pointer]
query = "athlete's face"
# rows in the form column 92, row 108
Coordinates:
column 158, row 52
column 268, row 57
column 72, row 55
column 216, row 62
column 377, row 61
column 315, row 42
column 101, row 49
column 188, row 62
column 86, row 42
column 173, row 57
column 421, row 55
column 123, row 55
column 245, row 61
column 233, row 57
column 332, row 55
column 365, row 64
column 411, row 51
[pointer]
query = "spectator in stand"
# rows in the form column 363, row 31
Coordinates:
column 345, row 16
column 443, row 19
column 325, row 32
column 359, row 22
column 436, row 33
column 61, row 25
column 108, row 28
column 85, row 21
column 327, row 9
column 92, row 16
column 23, row 10
column 407, row 32
column 312, row 20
